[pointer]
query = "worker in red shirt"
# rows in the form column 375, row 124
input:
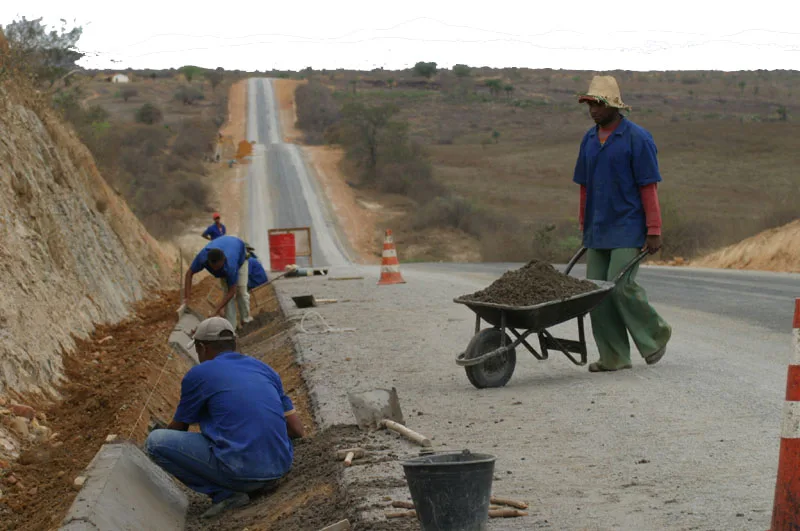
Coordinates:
column 617, row 170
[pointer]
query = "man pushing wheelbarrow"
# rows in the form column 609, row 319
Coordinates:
column 617, row 170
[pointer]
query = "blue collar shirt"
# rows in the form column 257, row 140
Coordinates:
column 613, row 173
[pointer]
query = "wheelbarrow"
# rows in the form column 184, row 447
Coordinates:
column 491, row 356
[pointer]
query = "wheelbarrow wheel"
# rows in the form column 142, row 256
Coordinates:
column 496, row 371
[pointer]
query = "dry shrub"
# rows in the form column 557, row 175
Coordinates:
column 508, row 244
column 148, row 114
column 174, row 163
column 685, row 235
column 188, row 95
column 194, row 138
column 317, row 111
column 452, row 211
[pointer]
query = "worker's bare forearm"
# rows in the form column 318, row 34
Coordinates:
column 228, row 297
column 187, row 285
column 294, row 426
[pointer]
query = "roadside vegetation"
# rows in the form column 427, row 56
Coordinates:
column 490, row 152
column 149, row 136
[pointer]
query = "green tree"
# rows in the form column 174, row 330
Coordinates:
column 47, row 53
column 494, row 85
column 367, row 130
column 742, row 85
column 462, row 70
column 783, row 113
column 509, row 90
column 496, row 136
column 148, row 114
column 215, row 77
column 426, row 70
column 190, row 72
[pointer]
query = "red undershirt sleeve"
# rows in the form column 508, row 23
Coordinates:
column 581, row 212
column 652, row 208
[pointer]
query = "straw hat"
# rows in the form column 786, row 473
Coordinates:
column 606, row 90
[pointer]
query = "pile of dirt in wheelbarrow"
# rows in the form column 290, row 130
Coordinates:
column 535, row 283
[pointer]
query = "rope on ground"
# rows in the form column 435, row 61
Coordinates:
column 147, row 401
column 327, row 328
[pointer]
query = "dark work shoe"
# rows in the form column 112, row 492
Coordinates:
column 596, row 367
column 240, row 499
column 656, row 356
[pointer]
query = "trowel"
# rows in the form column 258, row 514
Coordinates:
column 380, row 408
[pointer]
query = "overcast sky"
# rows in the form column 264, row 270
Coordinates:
column 571, row 34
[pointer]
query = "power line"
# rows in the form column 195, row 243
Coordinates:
column 513, row 36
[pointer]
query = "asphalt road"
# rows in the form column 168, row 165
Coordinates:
column 690, row 443
column 279, row 188
column 761, row 299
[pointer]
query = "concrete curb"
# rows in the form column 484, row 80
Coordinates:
column 124, row 491
column 286, row 305
column 179, row 337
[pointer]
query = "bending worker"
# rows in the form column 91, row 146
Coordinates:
column 226, row 259
column 246, row 423
column 216, row 229
column 617, row 170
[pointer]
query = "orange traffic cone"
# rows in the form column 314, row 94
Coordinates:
column 785, row 514
column 390, row 267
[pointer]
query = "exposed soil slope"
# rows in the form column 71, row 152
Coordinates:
column 772, row 250
column 72, row 254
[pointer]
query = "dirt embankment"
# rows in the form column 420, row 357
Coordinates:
column 72, row 254
column 772, row 250
column 109, row 379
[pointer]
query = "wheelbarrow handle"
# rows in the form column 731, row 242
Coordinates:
column 574, row 260
column 625, row 270
column 630, row 266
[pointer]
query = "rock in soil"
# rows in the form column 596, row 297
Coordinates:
column 535, row 283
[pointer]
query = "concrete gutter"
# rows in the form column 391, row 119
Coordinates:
column 123, row 491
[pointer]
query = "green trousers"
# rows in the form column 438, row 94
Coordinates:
column 625, row 311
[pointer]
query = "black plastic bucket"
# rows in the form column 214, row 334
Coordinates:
column 451, row 491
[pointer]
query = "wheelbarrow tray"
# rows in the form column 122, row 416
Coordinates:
column 540, row 316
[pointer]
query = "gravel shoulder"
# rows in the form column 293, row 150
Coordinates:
column 688, row 444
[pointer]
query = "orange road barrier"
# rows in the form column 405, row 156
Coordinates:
column 785, row 511
column 390, row 266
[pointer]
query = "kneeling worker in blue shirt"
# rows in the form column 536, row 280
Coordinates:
column 246, row 423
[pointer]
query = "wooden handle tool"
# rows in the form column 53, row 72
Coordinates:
column 506, row 513
column 497, row 500
column 399, row 504
column 407, row 433
column 349, row 454
column 402, row 514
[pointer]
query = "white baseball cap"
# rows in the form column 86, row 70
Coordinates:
column 212, row 329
